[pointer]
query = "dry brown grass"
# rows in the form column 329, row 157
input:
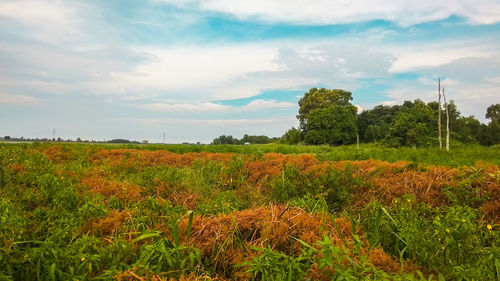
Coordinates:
column 108, row 225
column 107, row 188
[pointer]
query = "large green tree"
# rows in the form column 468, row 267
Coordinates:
column 334, row 125
column 327, row 117
column 321, row 98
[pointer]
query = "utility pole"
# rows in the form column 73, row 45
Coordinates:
column 447, row 123
column 439, row 115
column 163, row 137
column 53, row 134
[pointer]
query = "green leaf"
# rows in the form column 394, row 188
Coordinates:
column 146, row 236
column 190, row 225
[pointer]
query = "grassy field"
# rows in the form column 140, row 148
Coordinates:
column 257, row 212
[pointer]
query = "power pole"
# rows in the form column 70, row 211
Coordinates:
column 163, row 137
column 53, row 134
column 447, row 123
column 439, row 115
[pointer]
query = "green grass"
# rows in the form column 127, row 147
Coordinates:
column 53, row 227
column 459, row 154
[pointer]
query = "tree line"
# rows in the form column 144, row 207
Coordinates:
column 327, row 117
column 247, row 139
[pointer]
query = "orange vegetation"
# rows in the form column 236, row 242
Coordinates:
column 272, row 165
column 229, row 238
column 160, row 157
column 185, row 199
column 491, row 208
column 18, row 168
column 382, row 180
column 55, row 153
column 122, row 191
column 425, row 186
column 108, row 225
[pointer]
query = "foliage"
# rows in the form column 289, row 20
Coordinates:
column 446, row 240
column 273, row 265
column 103, row 212
column 292, row 136
column 320, row 98
column 413, row 125
column 333, row 125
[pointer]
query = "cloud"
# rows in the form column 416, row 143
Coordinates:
column 212, row 122
column 145, row 67
column 471, row 82
column 424, row 55
column 46, row 68
column 267, row 104
column 495, row 79
column 190, row 72
column 52, row 21
column 185, row 107
column 17, row 99
column 320, row 12
column 255, row 105
column 36, row 13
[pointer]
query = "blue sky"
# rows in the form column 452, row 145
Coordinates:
column 199, row 69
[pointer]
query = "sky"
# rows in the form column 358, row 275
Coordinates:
column 200, row 69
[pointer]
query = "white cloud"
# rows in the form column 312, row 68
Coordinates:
column 360, row 108
column 185, row 107
column 424, row 55
column 17, row 99
column 495, row 79
column 206, row 122
column 191, row 71
column 267, row 104
column 254, row 105
column 404, row 12
column 53, row 21
column 470, row 82
column 40, row 12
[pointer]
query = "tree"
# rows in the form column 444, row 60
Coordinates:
column 255, row 139
column 373, row 124
column 292, row 136
column 334, row 125
column 467, row 129
column 493, row 112
column 327, row 117
column 490, row 134
column 225, row 140
column 320, row 98
column 413, row 125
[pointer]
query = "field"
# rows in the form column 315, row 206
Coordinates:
column 268, row 212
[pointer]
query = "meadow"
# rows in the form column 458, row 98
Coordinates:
column 250, row 212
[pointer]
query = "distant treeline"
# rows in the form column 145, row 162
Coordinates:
column 247, row 139
column 328, row 117
column 23, row 139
